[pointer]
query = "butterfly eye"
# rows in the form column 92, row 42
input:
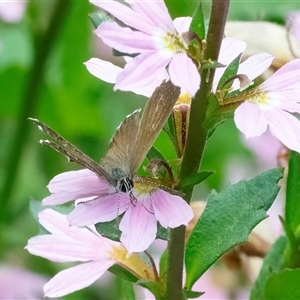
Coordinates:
column 125, row 185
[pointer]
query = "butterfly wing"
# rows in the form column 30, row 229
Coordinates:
column 156, row 113
column 64, row 147
column 122, row 145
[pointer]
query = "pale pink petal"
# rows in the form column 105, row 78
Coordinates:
column 125, row 39
column 286, row 100
column 77, row 181
column 286, row 77
column 154, row 13
column 182, row 24
column 12, row 11
column 57, row 223
column 250, row 120
column 63, row 249
column 103, row 70
column 76, row 278
column 126, row 15
column 102, row 209
column 285, row 127
column 294, row 24
column 138, row 226
column 255, row 65
column 183, row 73
column 170, row 210
column 141, row 71
column 230, row 49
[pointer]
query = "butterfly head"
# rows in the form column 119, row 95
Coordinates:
column 124, row 181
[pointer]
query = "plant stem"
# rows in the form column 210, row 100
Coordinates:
column 29, row 102
column 196, row 141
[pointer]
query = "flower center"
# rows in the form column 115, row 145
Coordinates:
column 173, row 42
column 258, row 97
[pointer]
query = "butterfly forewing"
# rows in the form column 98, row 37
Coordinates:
column 64, row 147
column 122, row 144
column 156, row 112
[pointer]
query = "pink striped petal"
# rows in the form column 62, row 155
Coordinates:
column 76, row 278
column 250, row 120
column 103, row 70
column 138, row 226
column 126, row 15
column 184, row 73
column 154, row 13
column 141, row 71
column 102, row 209
column 125, row 39
column 285, row 127
column 170, row 210
column 182, row 24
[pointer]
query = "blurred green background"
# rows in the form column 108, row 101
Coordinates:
column 42, row 76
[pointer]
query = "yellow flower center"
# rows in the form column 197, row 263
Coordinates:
column 173, row 42
column 258, row 97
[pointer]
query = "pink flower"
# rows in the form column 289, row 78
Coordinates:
column 12, row 11
column 143, row 206
column 108, row 72
column 271, row 104
column 70, row 244
column 17, row 283
column 153, row 35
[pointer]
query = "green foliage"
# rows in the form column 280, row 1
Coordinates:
column 227, row 221
column 273, row 263
column 123, row 273
column 292, row 207
column 194, row 179
column 198, row 25
column 284, row 285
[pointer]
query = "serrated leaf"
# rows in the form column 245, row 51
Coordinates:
column 123, row 273
column 284, row 285
column 292, row 205
column 230, row 71
column 194, row 179
column 227, row 220
column 198, row 25
column 273, row 262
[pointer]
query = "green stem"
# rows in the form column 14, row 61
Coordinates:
column 194, row 149
column 29, row 102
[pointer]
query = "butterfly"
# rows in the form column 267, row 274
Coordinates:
column 130, row 144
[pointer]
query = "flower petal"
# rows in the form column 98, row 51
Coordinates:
column 182, row 24
column 250, row 120
column 102, row 209
column 170, row 210
column 125, row 39
column 285, row 127
column 184, row 73
column 138, row 226
column 76, row 278
column 103, row 70
column 286, row 77
column 126, row 15
column 141, row 71
column 155, row 12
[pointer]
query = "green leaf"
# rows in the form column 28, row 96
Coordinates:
column 227, row 220
column 284, row 285
column 123, row 273
column 192, row 294
column 194, row 179
column 198, row 25
column 110, row 229
column 127, row 290
column 98, row 17
column 292, row 205
column 230, row 71
column 154, row 287
column 154, row 153
column 273, row 263
column 163, row 265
